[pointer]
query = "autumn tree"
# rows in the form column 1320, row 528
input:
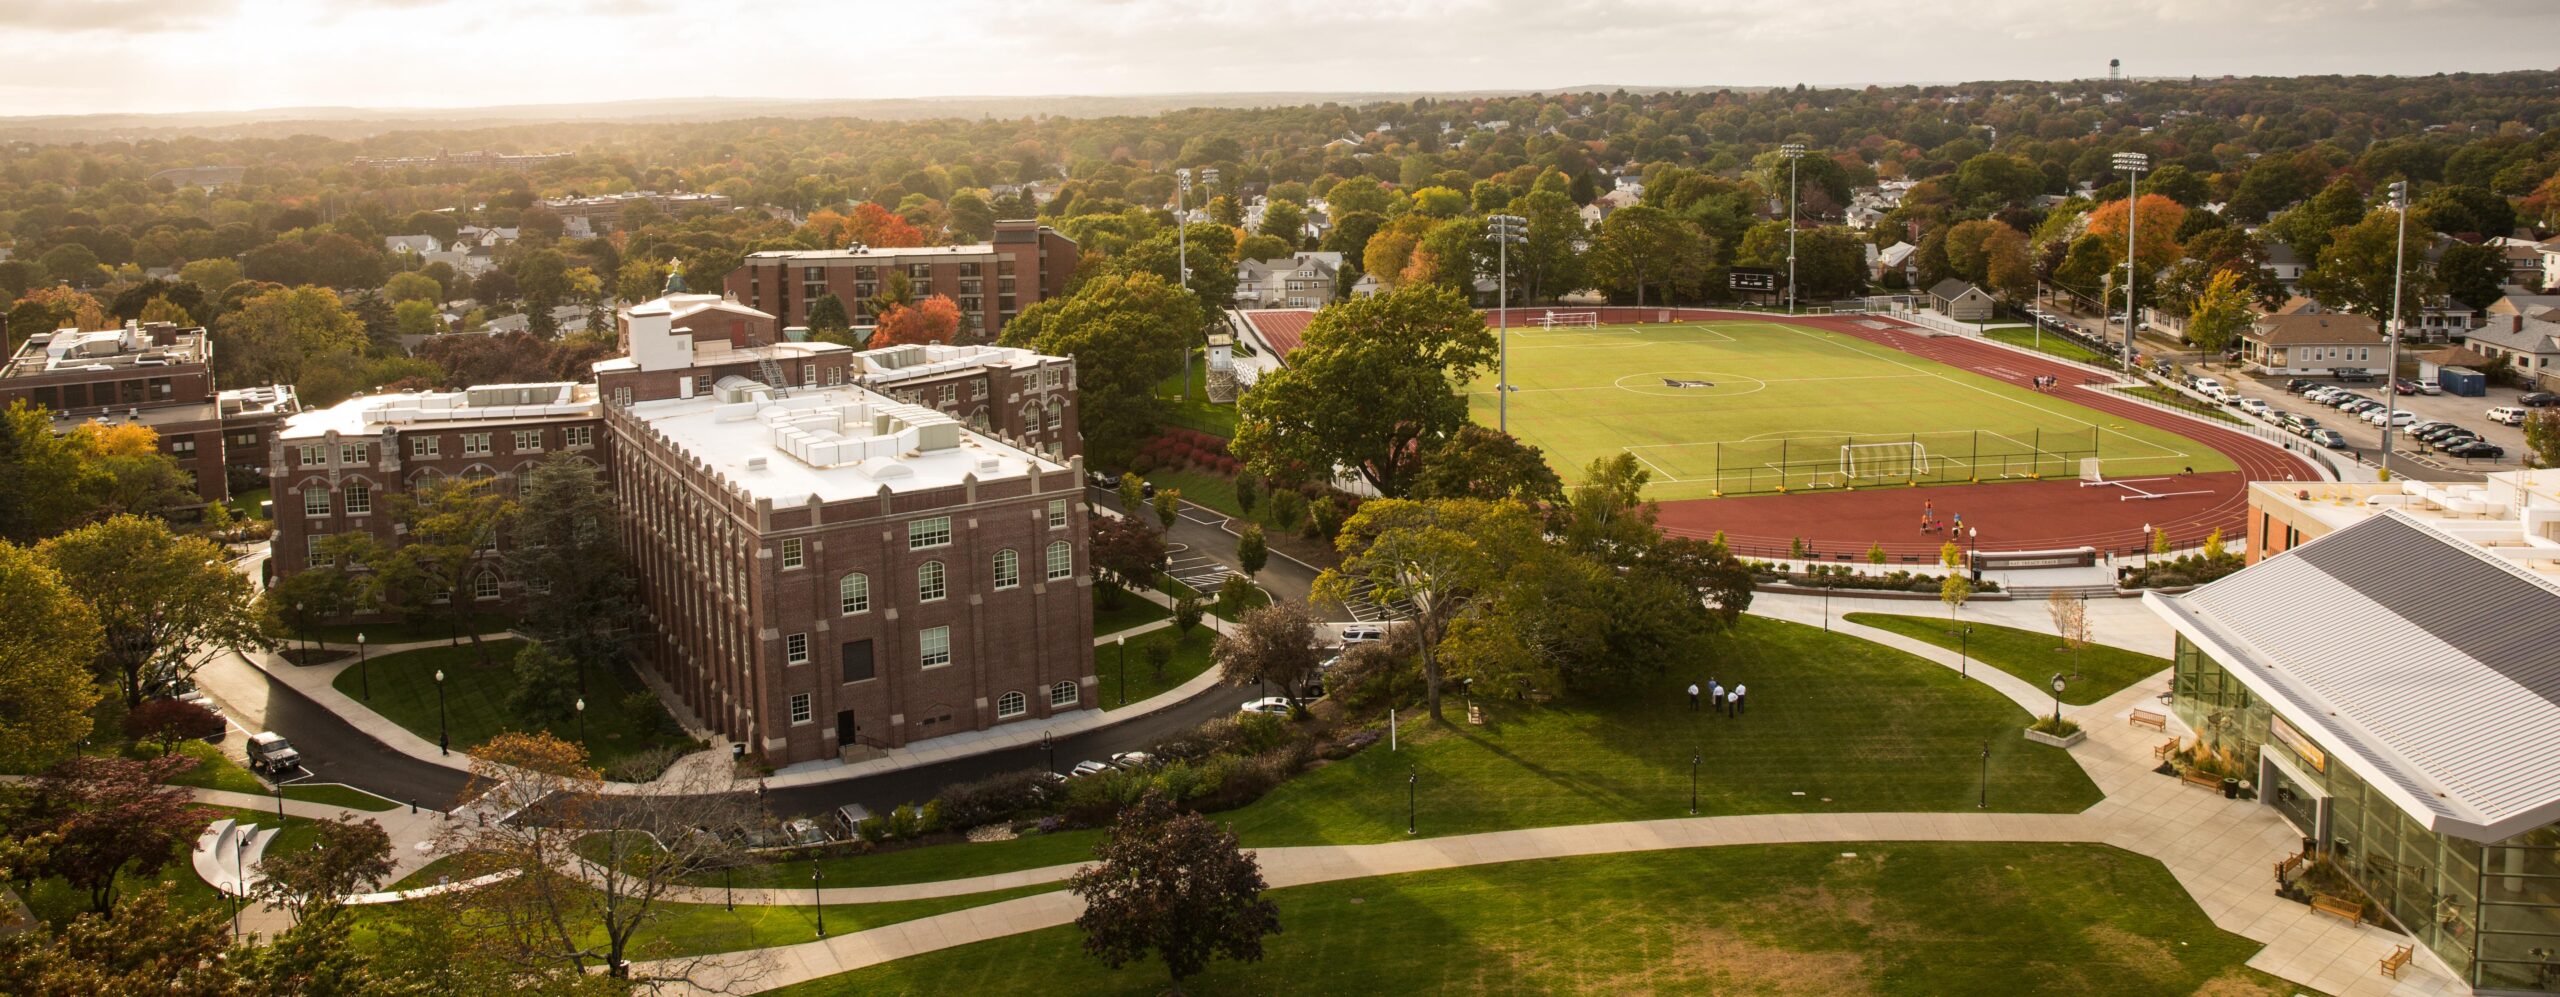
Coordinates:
column 449, row 538
column 1636, row 247
column 1271, row 644
column 48, row 639
column 162, row 599
column 48, row 484
column 2070, row 614
column 112, row 817
column 1437, row 555
column 935, row 319
column 2357, row 269
column 1481, row 462
column 164, row 723
column 1369, row 391
column 1253, row 550
column 348, row 855
column 2220, row 315
column 303, row 336
column 138, row 477
column 1172, row 884
column 1127, row 550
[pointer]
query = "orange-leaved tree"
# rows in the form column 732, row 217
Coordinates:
column 933, row 320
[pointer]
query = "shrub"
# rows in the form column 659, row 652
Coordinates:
column 993, row 799
column 1143, row 463
column 1329, row 513
column 1287, row 508
column 165, row 722
column 2048, row 724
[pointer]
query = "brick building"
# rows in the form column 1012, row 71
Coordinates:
column 333, row 470
column 1025, row 263
column 159, row 376
column 1019, row 396
column 251, row 418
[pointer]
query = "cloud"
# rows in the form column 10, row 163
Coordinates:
column 119, row 16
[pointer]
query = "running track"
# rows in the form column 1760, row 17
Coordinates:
column 2034, row 515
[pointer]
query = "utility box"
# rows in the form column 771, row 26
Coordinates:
column 2462, row 381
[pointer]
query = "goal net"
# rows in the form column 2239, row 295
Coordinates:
column 1883, row 460
column 1567, row 320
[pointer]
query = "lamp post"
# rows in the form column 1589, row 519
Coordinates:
column 300, row 645
column 364, row 673
column 278, row 782
column 1124, row 671
column 444, row 736
column 1793, row 151
column 582, row 719
column 2133, row 165
column 2398, row 326
column 813, row 895
column 1694, row 759
column 1412, row 780
column 1049, row 749
column 2146, row 545
column 1182, row 256
column 2058, row 682
column 1985, row 802
column 1504, row 230
column 1973, row 552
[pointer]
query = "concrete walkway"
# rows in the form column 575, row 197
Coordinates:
column 411, row 833
column 2221, row 851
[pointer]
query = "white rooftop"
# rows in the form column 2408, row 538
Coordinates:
column 874, row 253
column 830, row 444
column 894, row 363
column 371, row 414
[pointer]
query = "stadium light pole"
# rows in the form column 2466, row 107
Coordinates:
column 2133, row 165
column 2398, row 326
column 1182, row 256
column 1793, row 151
column 1504, row 230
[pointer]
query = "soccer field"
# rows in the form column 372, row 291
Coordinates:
column 1746, row 406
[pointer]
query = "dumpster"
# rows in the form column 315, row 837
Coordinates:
column 2462, row 381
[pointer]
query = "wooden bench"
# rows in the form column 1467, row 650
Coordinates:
column 2166, row 748
column 2390, row 965
column 2351, row 911
column 2146, row 718
column 2207, row 780
column 2286, row 867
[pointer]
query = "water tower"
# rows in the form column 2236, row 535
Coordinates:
column 2115, row 70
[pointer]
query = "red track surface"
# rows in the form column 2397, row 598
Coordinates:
column 2039, row 515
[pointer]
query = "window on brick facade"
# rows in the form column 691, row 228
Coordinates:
column 359, row 498
column 1057, row 514
column 1008, row 569
column 1062, row 560
column 934, row 532
column 934, row 647
column 1057, row 411
column 426, row 446
column 950, row 393
column 314, row 456
column 528, row 441
column 795, row 649
column 580, row 437
column 314, row 555
column 791, row 553
column 799, row 708
column 929, row 581
column 474, row 444
column 183, row 446
column 353, row 453
column 853, row 594
column 1011, row 705
column 315, row 501
column 1064, row 694
column 484, row 585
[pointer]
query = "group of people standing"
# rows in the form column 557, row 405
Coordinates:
column 1726, row 701
column 2047, row 382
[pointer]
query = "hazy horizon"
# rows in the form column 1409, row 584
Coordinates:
column 76, row 57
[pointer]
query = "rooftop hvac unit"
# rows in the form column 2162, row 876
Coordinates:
column 755, row 463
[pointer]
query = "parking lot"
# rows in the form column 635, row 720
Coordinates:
column 2366, row 438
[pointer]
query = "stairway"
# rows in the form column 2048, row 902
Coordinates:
column 2047, row 591
column 771, row 373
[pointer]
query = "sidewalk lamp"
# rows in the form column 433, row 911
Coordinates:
column 1985, row 802
column 2133, row 165
column 2058, row 683
column 1504, row 230
column 582, row 719
column 1124, row 670
column 1694, row 759
column 304, row 622
column 444, row 736
column 1793, row 151
column 813, row 895
column 1050, row 749
column 2146, row 544
column 1412, row 782
column 364, row 672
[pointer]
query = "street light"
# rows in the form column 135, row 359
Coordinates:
column 1792, row 151
column 582, row 720
column 2399, row 327
column 1124, row 671
column 306, row 621
column 1412, row 779
column 1694, row 759
column 444, row 738
column 1504, row 230
column 2133, row 165
column 1973, row 552
column 813, row 895
column 1985, row 802
column 364, row 673
column 2058, row 683
column 2146, row 545
column 1050, row 749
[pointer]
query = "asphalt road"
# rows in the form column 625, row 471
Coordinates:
column 333, row 750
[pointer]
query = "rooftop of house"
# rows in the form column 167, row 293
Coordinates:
column 370, row 415
column 271, row 399
column 134, row 346
column 2415, row 643
column 2320, row 328
column 2521, row 334
column 830, row 444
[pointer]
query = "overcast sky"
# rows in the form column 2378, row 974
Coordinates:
column 79, row 56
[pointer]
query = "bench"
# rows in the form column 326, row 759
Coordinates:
column 2341, row 907
column 2286, row 867
column 2146, row 718
column 2167, row 748
column 2390, row 965
column 2195, row 777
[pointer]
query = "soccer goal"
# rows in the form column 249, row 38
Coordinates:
column 1567, row 320
column 1901, row 461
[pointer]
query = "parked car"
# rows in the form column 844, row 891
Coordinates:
column 2448, row 441
column 1134, row 761
column 2434, row 433
column 1099, row 478
column 2404, row 386
column 803, row 831
column 2252, row 406
column 1274, row 705
column 2297, row 423
column 2538, row 399
column 2397, row 418
column 2298, row 385
column 1088, row 767
column 1363, row 633
column 2507, row 415
column 2424, row 425
column 2329, row 438
column 2476, row 450
column 270, row 753
column 849, row 818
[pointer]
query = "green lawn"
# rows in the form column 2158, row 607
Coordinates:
column 2057, row 345
column 214, row 770
column 1850, row 919
column 1132, row 611
column 1197, row 413
column 436, row 871
column 57, row 902
column 2102, row 671
column 335, row 795
column 2170, row 397
column 1836, row 724
column 1202, row 488
column 381, row 633
column 677, row 930
column 1190, row 658
column 1711, row 406
column 618, row 724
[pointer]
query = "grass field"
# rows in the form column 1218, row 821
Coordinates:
column 1767, row 391
column 2103, row 670
column 2052, row 343
column 1846, row 919
column 622, row 718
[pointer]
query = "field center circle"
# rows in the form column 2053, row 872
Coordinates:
column 1689, row 383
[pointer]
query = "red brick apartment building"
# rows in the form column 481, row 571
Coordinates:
column 159, row 376
column 834, row 548
column 1025, row 263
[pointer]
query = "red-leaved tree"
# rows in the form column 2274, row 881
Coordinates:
column 1176, row 885
column 933, row 320
column 115, row 815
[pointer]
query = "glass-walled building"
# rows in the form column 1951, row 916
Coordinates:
column 2395, row 689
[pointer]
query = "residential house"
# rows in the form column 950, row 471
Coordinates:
column 2287, row 265
column 1607, row 204
column 2530, row 346
column 1301, row 280
column 2312, row 342
column 1961, row 301
column 1896, row 258
column 411, row 245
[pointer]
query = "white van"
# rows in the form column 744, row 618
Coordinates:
column 2507, row 415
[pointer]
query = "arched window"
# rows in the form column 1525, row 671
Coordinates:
column 1062, row 560
column 929, row 582
column 1056, row 410
column 484, row 585
column 853, row 593
column 1008, row 569
column 359, row 498
column 1011, row 705
column 1063, row 694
